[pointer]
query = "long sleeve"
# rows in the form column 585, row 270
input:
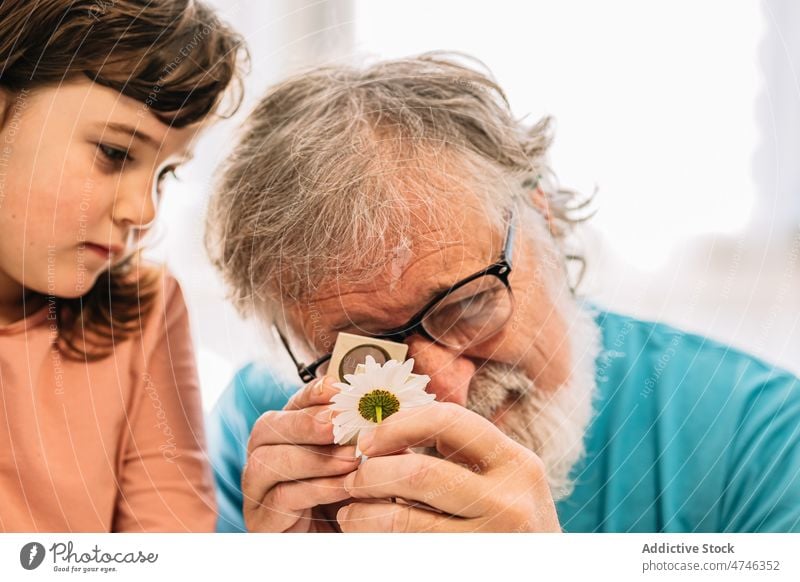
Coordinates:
column 165, row 481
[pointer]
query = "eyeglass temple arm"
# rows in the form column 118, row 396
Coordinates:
column 299, row 365
column 508, row 246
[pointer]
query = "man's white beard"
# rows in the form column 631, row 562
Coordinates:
column 552, row 423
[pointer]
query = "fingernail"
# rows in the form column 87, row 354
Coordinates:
column 349, row 481
column 319, row 386
column 342, row 513
column 365, row 439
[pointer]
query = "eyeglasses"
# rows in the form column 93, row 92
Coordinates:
column 468, row 313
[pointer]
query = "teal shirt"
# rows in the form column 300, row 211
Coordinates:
column 689, row 435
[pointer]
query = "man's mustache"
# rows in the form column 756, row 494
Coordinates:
column 495, row 384
column 492, row 386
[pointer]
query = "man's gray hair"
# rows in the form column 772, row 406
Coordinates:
column 318, row 186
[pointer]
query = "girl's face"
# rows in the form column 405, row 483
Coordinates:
column 81, row 167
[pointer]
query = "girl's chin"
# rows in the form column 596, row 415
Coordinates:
column 79, row 286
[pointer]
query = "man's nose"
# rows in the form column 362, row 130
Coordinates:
column 450, row 372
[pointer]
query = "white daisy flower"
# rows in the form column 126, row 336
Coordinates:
column 368, row 398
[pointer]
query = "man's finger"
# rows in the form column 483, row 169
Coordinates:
column 311, row 426
column 414, row 477
column 290, row 502
column 397, row 517
column 457, row 433
column 316, row 392
column 267, row 466
column 295, row 496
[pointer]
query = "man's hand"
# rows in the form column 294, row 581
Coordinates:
column 293, row 468
column 486, row 482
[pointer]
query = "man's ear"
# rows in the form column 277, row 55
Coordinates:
column 541, row 202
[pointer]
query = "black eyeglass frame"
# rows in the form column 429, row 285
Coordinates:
column 500, row 269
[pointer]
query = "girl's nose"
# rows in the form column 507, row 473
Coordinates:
column 135, row 204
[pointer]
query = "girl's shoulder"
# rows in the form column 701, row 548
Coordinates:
column 166, row 320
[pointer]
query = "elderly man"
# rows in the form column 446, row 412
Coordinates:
column 404, row 201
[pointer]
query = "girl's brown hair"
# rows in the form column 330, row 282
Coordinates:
column 174, row 56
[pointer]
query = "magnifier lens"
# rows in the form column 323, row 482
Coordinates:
column 358, row 355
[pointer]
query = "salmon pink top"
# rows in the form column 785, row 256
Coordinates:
column 111, row 445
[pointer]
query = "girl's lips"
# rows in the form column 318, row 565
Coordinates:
column 102, row 251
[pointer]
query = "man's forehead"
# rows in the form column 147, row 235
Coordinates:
column 411, row 277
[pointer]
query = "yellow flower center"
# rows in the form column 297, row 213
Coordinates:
column 378, row 404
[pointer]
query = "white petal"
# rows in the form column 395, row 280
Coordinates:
column 359, row 383
column 377, row 378
column 345, row 398
column 346, row 395
column 343, row 434
column 418, row 383
column 417, row 401
column 350, row 378
column 371, row 365
column 413, row 386
column 407, row 366
column 351, row 427
column 346, row 417
column 406, row 394
column 397, row 376
column 340, row 404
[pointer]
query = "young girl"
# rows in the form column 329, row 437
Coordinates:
column 100, row 415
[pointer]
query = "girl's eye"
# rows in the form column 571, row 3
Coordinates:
column 114, row 154
column 168, row 172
